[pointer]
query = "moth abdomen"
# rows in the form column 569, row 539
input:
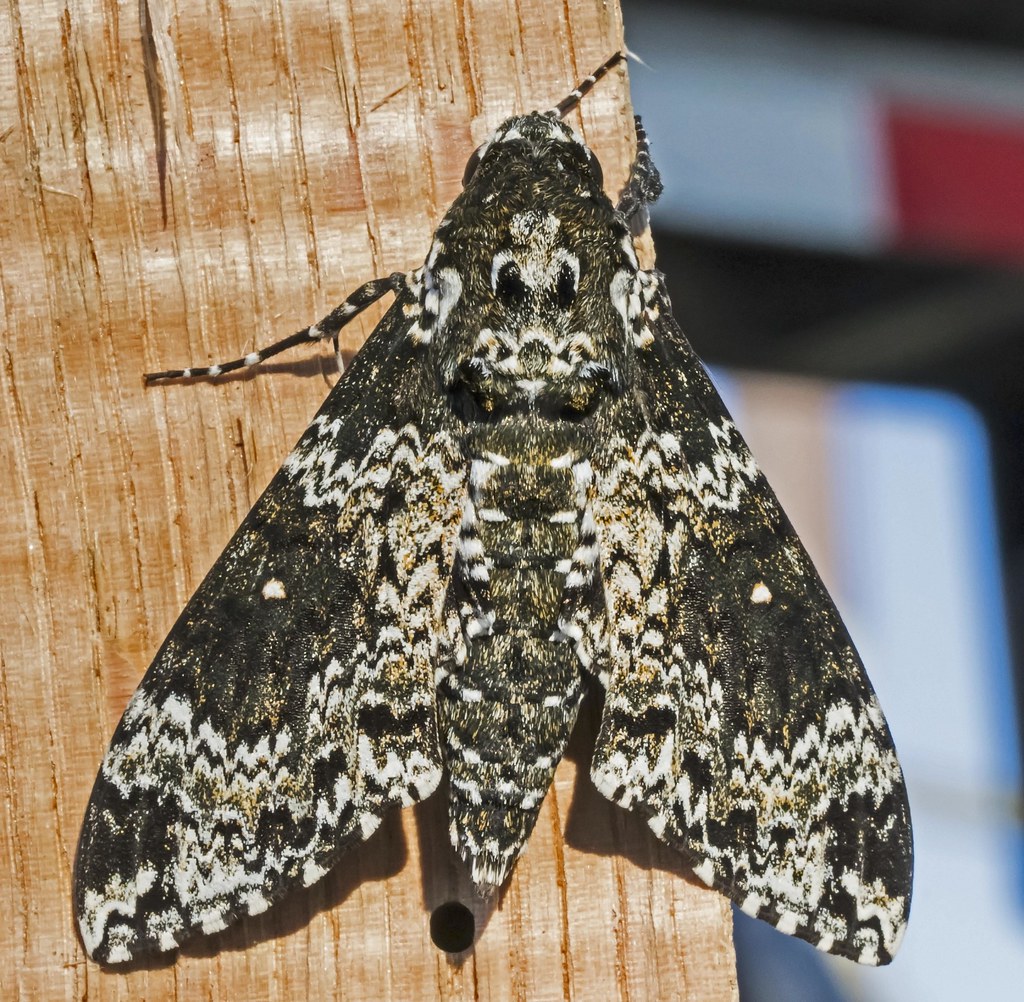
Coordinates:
column 507, row 711
column 502, row 744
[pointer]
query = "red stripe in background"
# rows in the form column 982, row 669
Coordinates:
column 958, row 181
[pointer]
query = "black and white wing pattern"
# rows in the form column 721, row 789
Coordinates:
column 738, row 716
column 525, row 479
column 293, row 702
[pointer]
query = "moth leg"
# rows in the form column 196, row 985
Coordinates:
column 329, row 326
column 337, row 354
column 644, row 185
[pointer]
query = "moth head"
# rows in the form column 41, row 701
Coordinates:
column 536, row 143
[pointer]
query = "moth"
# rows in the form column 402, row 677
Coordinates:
column 524, row 485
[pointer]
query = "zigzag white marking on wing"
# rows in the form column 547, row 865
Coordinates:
column 793, row 791
column 723, row 483
column 235, row 784
column 785, row 872
column 392, row 452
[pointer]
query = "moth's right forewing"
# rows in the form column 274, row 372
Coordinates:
column 739, row 717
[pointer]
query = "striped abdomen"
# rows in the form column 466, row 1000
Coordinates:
column 507, row 711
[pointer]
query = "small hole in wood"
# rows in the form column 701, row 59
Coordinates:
column 452, row 927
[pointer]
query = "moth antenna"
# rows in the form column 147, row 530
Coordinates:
column 328, row 327
column 584, row 87
column 630, row 54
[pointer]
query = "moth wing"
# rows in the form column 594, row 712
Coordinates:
column 738, row 716
column 293, row 702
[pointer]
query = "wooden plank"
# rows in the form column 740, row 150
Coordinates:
column 305, row 147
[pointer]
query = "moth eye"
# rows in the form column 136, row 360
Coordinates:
column 509, row 286
column 565, row 286
column 471, row 165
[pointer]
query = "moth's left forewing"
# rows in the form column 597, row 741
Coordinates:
column 738, row 715
column 292, row 704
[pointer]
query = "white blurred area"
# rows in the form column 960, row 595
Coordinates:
column 774, row 131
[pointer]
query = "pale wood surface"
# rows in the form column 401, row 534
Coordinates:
column 309, row 146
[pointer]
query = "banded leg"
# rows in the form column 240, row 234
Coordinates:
column 329, row 326
column 644, row 185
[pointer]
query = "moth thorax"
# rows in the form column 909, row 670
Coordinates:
column 533, row 348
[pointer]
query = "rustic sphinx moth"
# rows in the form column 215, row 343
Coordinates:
column 524, row 483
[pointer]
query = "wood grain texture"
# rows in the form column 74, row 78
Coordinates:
column 297, row 149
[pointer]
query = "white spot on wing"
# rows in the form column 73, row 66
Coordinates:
column 706, row 872
column 787, row 923
column 751, row 905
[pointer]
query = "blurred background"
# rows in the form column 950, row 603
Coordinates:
column 843, row 234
